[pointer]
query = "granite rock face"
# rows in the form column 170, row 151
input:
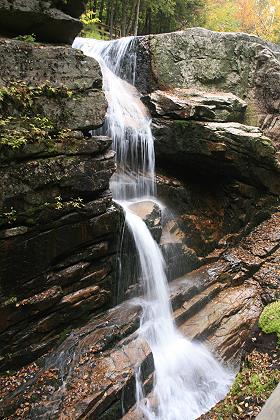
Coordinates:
column 58, row 226
column 52, row 21
column 214, row 102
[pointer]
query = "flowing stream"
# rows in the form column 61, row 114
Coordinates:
column 188, row 380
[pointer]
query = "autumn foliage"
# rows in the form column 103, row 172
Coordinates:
column 258, row 17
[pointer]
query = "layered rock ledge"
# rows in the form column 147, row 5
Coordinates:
column 231, row 150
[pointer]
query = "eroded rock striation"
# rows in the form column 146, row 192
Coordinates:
column 217, row 304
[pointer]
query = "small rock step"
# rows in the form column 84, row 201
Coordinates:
column 196, row 105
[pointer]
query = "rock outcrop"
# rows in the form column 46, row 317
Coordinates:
column 207, row 61
column 58, row 226
column 52, row 20
column 215, row 124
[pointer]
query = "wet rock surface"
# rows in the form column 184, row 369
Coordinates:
column 52, row 21
column 218, row 304
column 150, row 213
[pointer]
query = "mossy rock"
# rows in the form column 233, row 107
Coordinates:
column 270, row 319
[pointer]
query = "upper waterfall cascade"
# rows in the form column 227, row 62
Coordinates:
column 188, row 380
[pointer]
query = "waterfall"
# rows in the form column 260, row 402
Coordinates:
column 127, row 121
column 188, row 380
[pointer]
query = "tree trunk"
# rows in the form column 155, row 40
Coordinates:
column 108, row 8
column 111, row 20
column 130, row 21
column 101, row 10
column 94, row 6
column 124, row 16
column 148, row 21
column 137, row 18
column 115, row 20
column 112, row 17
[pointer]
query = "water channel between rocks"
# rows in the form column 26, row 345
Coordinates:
column 188, row 380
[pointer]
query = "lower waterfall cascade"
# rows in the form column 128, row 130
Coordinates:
column 188, row 380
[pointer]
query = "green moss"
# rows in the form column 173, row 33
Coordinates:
column 22, row 96
column 269, row 320
column 75, row 203
column 11, row 301
column 23, row 120
column 30, row 216
column 252, row 387
column 10, row 217
column 16, row 132
column 27, row 38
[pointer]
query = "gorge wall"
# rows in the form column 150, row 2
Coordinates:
column 214, row 99
column 59, row 226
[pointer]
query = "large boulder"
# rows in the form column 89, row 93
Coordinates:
column 52, row 21
column 197, row 58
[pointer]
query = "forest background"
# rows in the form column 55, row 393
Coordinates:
column 114, row 18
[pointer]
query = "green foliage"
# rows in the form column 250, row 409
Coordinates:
column 22, row 95
column 269, row 320
column 27, row 124
column 11, row 301
column 11, row 216
column 75, row 203
column 94, row 31
column 27, row 38
column 130, row 17
column 222, row 17
column 89, row 17
column 258, row 17
column 16, row 132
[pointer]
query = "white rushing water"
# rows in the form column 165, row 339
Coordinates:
column 188, row 380
column 127, row 122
